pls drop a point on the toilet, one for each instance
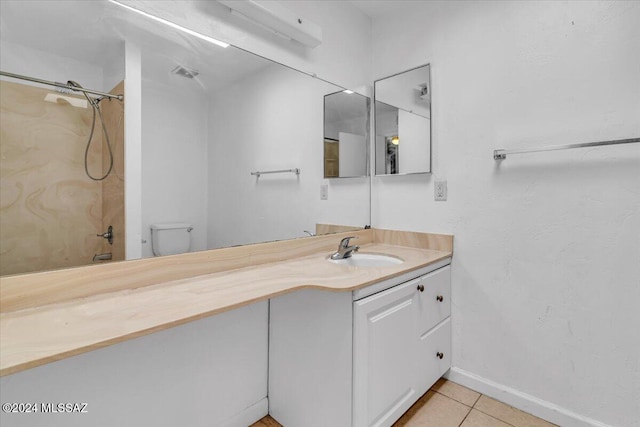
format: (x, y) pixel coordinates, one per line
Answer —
(170, 238)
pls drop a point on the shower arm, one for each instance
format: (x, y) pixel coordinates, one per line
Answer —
(61, 85)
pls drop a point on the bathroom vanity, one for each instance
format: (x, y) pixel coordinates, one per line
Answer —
(196, 336)
(360, 358)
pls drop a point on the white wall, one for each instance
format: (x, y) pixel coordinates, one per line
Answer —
(353, 161)
(133, 152)
(357, 126)
(200, 374)
(545, 271)
(272, 121)
(403, 90)
(174, 160)
(413, 149)
(19, 59)
(114, 70)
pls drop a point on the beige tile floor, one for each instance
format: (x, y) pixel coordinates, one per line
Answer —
(448, 404)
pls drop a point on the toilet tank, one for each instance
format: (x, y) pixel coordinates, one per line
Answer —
(170, 238)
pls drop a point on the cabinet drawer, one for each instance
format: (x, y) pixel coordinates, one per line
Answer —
(361, 293)
(434, 301)
(434, 355)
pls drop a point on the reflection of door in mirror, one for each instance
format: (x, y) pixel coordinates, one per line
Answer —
(331, 158)
(392, 158)
(51, 212)
(403, 123)
(387, 140)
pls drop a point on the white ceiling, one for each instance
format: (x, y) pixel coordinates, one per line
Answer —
(78, 30)
(377, 9)
(94, 32)
(341, 106)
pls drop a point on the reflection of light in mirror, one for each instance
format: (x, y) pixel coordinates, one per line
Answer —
(348, 92)
(395, 140)
(173, 25)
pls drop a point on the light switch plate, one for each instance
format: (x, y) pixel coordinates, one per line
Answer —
(440, 190)
(324, 191)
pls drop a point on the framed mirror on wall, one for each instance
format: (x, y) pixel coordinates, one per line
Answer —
(211, 116)
(403, 123)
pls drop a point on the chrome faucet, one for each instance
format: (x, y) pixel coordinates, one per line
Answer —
(344, 250)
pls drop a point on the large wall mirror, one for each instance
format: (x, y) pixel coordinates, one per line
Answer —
(211, 118)
(403, 123)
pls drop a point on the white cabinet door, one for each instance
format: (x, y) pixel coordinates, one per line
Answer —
(385, 345)
(402, 345)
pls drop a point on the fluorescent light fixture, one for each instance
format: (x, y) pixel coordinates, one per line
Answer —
(348, 92)
(277, 18)
(172, 25)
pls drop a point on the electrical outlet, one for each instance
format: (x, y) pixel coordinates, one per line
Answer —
(440, 191)
(324, 192)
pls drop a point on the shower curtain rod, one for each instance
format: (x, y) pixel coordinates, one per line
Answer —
(61, 85)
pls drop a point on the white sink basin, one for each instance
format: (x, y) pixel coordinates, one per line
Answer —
(368, 260)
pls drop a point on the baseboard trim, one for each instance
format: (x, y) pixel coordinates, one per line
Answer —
(249, 415)
(525, 402)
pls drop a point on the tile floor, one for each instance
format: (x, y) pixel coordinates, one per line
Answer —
(448, 404)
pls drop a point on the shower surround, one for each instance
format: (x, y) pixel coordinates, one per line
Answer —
(50, 211)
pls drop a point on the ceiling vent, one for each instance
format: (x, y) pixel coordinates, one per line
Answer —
(185, 72)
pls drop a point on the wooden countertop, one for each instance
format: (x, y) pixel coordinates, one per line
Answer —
(38, 335)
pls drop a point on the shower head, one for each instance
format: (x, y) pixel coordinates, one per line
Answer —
(61, 99)
(185, 72)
